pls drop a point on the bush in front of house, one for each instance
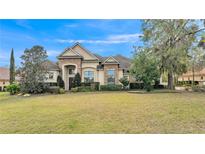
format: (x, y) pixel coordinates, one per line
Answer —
(61, 91)
(138, 85)
(82, 89)
(92, 85)
(74, 90)
(13, 88)
(53, 89)
(60, 82)
(85, 89)
(125, 82)
(111, 87)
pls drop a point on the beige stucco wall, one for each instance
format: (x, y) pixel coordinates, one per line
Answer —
(55, 75)
(83, 53)
(101, 77)
(190, 78)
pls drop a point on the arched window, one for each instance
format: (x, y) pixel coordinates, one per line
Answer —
(88, 76)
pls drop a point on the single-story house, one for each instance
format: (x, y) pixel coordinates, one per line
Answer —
(4, 78)
(91, 67)
(199, 76)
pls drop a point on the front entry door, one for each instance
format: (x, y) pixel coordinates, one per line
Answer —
(70, 83)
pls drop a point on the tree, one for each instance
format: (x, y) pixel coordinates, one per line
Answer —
(145, 68)
(60, 81)
(202, 42)
(124, 81)
(12, 67)
(170, 41)
(33, 72)
(77, 80)
(197, 58)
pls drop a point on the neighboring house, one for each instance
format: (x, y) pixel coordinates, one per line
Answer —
(4, 78)
(199, 76)
(91, 67)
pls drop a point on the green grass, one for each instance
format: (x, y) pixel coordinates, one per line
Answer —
(107, 112)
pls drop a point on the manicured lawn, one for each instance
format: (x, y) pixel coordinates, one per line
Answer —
(107, 112)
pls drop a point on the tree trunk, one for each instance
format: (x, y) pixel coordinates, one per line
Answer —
(193, 73)
(170, 81)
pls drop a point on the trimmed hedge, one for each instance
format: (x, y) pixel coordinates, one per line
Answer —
(186, 83)
(92, 85)
(141, 86)
(82, 89)
(136, 85)
(111, 87)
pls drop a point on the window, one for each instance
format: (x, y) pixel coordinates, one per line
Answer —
(202, 77)
(71, 71)
(88, 76)
(50, 75)
(111, 76)
(3, 82)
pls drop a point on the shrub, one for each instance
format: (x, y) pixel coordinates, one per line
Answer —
(60, 82)
(92, 85)
(61, 91)
(138, 85)
(111, 87)
(124, 81)
(54, 89)
(76, 81)
(74, 89)
(13, 88)
(85, 89)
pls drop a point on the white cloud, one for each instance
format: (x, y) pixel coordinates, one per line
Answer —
(112, 39)
(53, 52)
(23, 23)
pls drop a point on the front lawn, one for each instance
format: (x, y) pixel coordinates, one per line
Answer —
(103, 112)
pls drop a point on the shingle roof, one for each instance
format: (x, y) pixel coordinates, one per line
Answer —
(124, 61)
(4, 73)
(51, 66)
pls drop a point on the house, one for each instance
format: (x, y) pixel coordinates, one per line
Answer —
(199, 76)
(91, 67)
(4, 78)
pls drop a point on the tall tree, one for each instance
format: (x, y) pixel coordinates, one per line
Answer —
(145, 68)
(33, 73)
(12, 67)
(170, 41)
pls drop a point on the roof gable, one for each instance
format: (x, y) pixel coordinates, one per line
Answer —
(111, 60)
(87, 55)
(70, 53)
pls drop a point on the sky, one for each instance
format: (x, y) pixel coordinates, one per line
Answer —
(104, 37)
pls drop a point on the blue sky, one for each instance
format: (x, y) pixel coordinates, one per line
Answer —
(104, 37)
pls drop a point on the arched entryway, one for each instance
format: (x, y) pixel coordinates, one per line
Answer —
(69, 71)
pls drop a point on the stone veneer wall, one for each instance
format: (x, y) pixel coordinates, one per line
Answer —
(111, 66)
